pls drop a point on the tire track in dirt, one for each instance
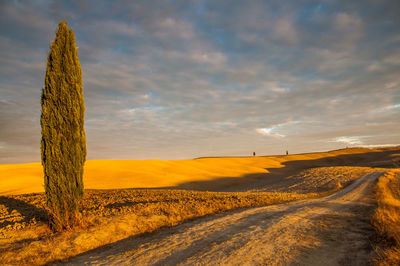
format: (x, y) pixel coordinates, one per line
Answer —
(334, 230)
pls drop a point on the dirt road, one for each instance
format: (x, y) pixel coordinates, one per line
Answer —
(334, 230)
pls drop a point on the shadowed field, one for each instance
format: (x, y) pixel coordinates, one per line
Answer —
(114, 208)
(332, 230)
(212, 174)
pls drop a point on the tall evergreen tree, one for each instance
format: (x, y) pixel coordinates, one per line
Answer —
(63, 145)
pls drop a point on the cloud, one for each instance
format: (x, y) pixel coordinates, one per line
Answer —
(269, 132)
(171, 27)
(391, 107)
(285, 29)
(345, 22)
(349, 140)
(374, 67)
(394, 106)
(173, 80)
(213, 58)
(274, 131)
(380, 145)
(393, 58)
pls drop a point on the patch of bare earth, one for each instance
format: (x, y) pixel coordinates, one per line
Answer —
(113, 215)
(334, 230)
(321, 179)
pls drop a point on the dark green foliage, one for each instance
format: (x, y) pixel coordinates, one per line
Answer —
(63, 145)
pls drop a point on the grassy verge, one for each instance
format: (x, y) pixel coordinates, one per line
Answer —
(386, 219)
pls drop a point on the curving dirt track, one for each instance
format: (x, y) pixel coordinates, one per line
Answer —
(334, 230)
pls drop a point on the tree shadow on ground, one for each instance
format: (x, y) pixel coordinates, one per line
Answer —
(25, 212)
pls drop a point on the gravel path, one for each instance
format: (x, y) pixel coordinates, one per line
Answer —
(334, 230)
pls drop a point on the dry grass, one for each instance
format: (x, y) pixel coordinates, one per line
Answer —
(386, 219)
(111, 216)
(117, 213)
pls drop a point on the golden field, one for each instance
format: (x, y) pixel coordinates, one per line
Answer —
(114, 208)
(112, 215)
(116, 174)
(386, 218)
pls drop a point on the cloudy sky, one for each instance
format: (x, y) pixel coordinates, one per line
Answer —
(184, 79)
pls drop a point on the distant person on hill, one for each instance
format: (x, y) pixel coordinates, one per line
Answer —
(287, 153)
(254, 153)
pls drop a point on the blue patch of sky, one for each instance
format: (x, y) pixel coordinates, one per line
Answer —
(218, 78)
(309, 10)
(154, 97)
(201, 8)
(146, 72)
(114, 94)
(393, 108)
(149, 108)
(219, 37)
(285, 86)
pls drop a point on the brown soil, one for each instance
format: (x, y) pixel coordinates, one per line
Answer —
(334, 230)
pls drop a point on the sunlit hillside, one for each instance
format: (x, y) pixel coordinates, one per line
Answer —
(216, 173)
(114, 214)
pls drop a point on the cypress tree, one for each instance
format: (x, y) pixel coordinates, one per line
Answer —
(63, 145)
